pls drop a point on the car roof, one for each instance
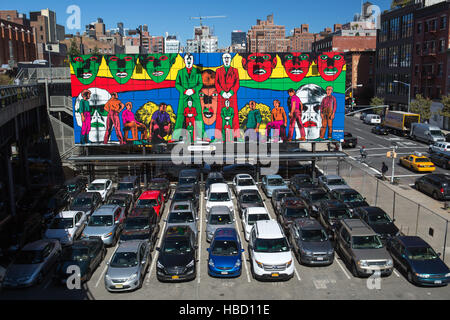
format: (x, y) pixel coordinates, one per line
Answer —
(178, 231)
(120, 195)
(86, 194)
(372, 210)
(357, 227)
(294, 202)
(215, 187)
(283, 190)
(129, 179)
(66, 214)
(215, 175)
(141, 212)
(225, 234)
(308, 224)
(273, 176)
(189, 173)
(100, 181)
(129, 246)
(185, 188)
(87, 242)
(440, 176)
(333, 176)
(257, 210)
(334, 204)
(268, 229)
(219, 210)
(245, 191)
(152, 194)
(159, 180)
(413, 241)
(106, 209)
(37, 245)
(345, 191)
(243, 176)
(315, 190)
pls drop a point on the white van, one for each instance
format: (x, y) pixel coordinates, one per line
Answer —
(426, 133)
(372, 119)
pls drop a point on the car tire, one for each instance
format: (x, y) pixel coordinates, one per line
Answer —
(417, 186)
(411, 277)
(355, 272)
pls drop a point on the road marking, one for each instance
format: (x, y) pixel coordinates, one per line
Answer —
(411, 175)
(345, 272)
(396, 273)
(47, 284)
(161, 234)
(101, 276)
(296, 273)
(244, 259)
(200, 236)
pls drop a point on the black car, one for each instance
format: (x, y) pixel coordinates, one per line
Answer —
(277, 196)
(379, 221)
(55, 204)
(380, 130)
(441, 159)
(177, 255)
(130, 185)
(87, 202)
(313, 197)
(87, 254)
(141, 227)
(187, 192)
(229, 172)
(188, 177)
(349, 141)
(350, 197)
(249, 199)
(299, 182)
(292, 208)
(436, 185)
(124, 200)
(76, 185)
(213, 177)
(160, 184)
(331, 212)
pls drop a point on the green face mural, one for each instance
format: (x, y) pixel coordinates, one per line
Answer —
(158, 65)
(86, 67)
(121, 66)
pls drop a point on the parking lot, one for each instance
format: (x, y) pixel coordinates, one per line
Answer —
(333, 282)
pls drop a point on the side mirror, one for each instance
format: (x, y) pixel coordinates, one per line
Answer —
(158, 249)
(439, 254)
(143, 262)
(78, 225)
(242, 250)
(208, 249)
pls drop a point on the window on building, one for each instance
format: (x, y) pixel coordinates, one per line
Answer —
(433, 25)
(419, 28)
(442, 45)
(418, 48)
(416, 69)
(440, 69)
(443, 22)
(426, 26)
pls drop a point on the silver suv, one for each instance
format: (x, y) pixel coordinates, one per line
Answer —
(361, 248)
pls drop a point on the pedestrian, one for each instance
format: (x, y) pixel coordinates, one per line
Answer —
(384, 170)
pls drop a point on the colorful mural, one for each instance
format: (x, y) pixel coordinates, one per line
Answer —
(152, 98)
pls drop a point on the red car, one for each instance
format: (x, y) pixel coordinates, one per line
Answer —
(152, 198)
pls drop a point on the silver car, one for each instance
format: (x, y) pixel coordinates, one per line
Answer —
(182, 218)
(128, 266)
(271, 183)
(332, 182)
(32, 263)
(106, 223)
(218, 217)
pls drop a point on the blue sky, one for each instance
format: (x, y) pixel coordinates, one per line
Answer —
(173, 16)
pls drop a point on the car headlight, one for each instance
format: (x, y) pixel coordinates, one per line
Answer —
(208, 209)
(190, 264)
(288, 264)
(211, 263)
(259, 264)
(447, 275)
(133, 277)
(363, 263)
(107, 277)
(159, 265)
(422, 275)
(390, 263)
(237, 264)
(107, 235)
(231, 208)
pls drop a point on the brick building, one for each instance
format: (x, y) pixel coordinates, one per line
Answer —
(17, 42)
(301, 39)
(265, 36)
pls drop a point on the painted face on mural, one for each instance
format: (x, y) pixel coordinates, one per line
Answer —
(311, 96)
(259, 66)
(121, 67)
(296, 65)
(209, 97)
(330, 65)
(226, 58)
(86, 67)
(158, 65)
(189, 60)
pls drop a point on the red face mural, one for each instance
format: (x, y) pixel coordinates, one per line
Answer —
(296, 65)
(259, 66)
(330, 65)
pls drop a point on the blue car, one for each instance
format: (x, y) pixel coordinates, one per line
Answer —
(419, 261)
(225, 254)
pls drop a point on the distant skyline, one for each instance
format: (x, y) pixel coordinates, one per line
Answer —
(174, 16)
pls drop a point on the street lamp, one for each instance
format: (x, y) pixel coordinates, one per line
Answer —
(409, 92)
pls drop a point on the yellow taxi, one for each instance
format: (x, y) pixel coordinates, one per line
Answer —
(417, 162)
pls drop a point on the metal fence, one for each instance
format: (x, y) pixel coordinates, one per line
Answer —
(13, 94)
(411, 217)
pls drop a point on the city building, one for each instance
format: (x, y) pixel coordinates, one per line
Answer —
(265, 36)
(204, 41)
(238, 37)
(88, 45)
(171, 44)
(17, 43)
(15, 17)
(301, 39)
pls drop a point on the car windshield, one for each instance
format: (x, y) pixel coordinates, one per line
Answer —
(96, 187)
(422, 160)
(245, 182)
(422, 253)
(146, 203)
(127, 186)
(180, 217)
(124, 260)
(101, 221)
(117, 202)
(281, 195)
(178, 246)
(314, 236)
(275, 182)
(250, 198)
(29, 257)
(379, 218)
(338, 213)
(82, 202)
(271, 245)
(219, 197)
(180, 207)
(351, 197)
(187, 180)
(320, 196)
(219, 219)
(183, 196)
(367, 242)
(303, 180)
(436, 132)
(61, 223)
(136, 224)
(252, 218)
(224, 248)
(157, 186)
(296, 213)
(76, 254)
(214, 180)
(71, 188)
(336, 182)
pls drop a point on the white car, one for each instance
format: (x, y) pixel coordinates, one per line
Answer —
(440, 147)
(66, 227)
(243, 182)
(102, 186)
(270, 253)
(250, 216)
(219, 194)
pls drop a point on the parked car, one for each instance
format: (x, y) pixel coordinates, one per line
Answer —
(225, 254)
(219, 194)
(213, 177)
(177, 255)
(183, 206)
(380, 130)
(128, 266)
(350, 141)
(87, 202)
(87, 254)
(372, 119)
(243, 182)
(142, 227)
(187, 192)
(417, 162)
(277, 196)
(312, 198)
(271, 183)
(103, 186)
(160, 184)
(182, 218)
(332, 182)
(189, 176)
(66, 227)
(130, 185)
(75, 185)
(435, 185)
(350, 197)
(229, 172)
(361, 248)
(310, 242)
(218, 217)
(57, 203)
(379, 221)
(330, 213)
(32, 263)
(426, 133)
(250, 216)
(107, 223)
(415, 257)
(152, 199)
(292, 208)
(269, 252)
(248, 199)
(299, 182)
(124, 200)
(441, 159)
(439, 147)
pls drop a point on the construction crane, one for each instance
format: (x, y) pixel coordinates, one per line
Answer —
(201, 18)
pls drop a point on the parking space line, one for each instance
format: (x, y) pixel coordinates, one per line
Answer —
(396, 273)
(296, 273)
(101, 276)
(200, 237)
(243, 253)
(340, 265)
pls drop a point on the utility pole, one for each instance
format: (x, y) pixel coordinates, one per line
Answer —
(394, 156)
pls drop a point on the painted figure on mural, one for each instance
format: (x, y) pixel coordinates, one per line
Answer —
(328, 113)
(121, 66)
(227, 116)
(130, 124)
(209, 97)
(188, 83)
(114, 107)
(86, 67)
(189, 115)
(296, 65)
(259, 66)
(330, 65)
(85, 111)
(278, 121)
(158, 65)
(295, 115)
(227, 85)
(254, 120)
(160, 126)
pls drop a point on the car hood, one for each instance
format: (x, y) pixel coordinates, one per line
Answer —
(172, 260)
(225, 261)
(191, 225)
(385, 229)
(252, 205)
(239, 189)
(122, 273)
(135, 235)
(97, 231)
(357, 204)
(316, 246)
(372, 254)
(227, 204)
(435, 266)
(338, 187)
(58, 233)
(213, 227)
(273, 258)
(17, 271)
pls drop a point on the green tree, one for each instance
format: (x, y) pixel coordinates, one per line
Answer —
(73, 50)
(445, 111)
(375, 102)
(96, 50)
(422, 106)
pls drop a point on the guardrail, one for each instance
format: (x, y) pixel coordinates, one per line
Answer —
(13, 94)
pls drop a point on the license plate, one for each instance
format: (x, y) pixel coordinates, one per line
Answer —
(438, 282)
(119, 286)
(175, 277)
(320, 258)
(224, 272)
(275, 275)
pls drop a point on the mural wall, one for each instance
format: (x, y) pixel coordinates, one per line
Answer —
(145, 99)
